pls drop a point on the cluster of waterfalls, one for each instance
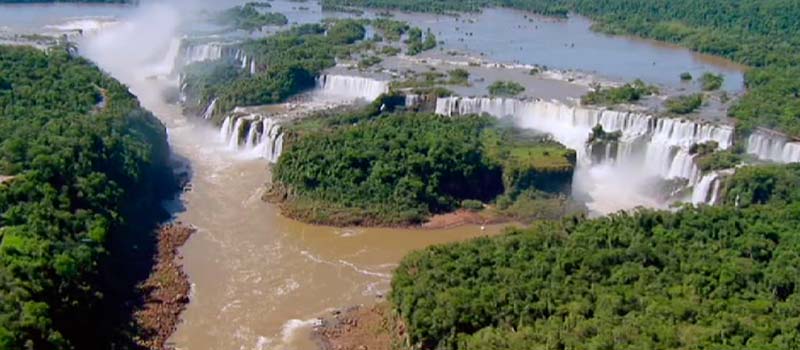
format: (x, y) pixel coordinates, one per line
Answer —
(647, 147)
(253, 134)
(774, 147)
(258, 135)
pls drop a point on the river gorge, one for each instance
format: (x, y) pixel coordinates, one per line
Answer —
(260, 280)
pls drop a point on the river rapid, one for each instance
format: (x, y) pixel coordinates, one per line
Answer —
(260, 280)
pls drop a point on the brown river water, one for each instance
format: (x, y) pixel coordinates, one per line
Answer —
(259, 279)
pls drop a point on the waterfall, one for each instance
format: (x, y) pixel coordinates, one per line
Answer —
(166, 66)
(351, 87)
(412, 100)
(773, 147)
(253, 135)
(662, 143)
(253, 67)
(707, 190)
(202, 53)
(683, 167)
(648, 146)
(209, 112)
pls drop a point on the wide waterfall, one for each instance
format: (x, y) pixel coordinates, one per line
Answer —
(351, 87)
(209, 112)
(773, 147)
(648, 147)
(216, 51)
(202, 52)
(253, 135)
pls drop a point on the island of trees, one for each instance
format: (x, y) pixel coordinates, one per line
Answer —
(381, 167)
(80, 163)
(249, 18)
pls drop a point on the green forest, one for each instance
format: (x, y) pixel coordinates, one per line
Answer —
(247, 17)
(372, 168)
(78, 157)
(288, 63)
(709, 278)
(761, 33)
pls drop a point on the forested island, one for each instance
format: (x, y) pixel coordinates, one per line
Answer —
(83, 169)
(247, 17)
(375, 167)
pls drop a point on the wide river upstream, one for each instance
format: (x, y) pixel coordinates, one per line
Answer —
(260, 280)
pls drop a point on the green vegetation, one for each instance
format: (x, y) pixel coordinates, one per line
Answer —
(602, 144)
(708, 157)
(685, 76)
(459, 76)
(772, 100)
(290, 60)
(433, 79)
(599, 135)
(248, 18)
(710, 278)
(287, 63)
(346, 32)
(369, 61)
(393, 30)
(684, 104)
(711, 82)
(83, 159)
(505, 88)
(368, 168)
(759, 33)
(719, 160)
(390, 51)
(768, 184)
(627, 93)
(415, 42)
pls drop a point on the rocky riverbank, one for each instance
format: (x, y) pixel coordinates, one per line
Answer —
(166, 291)
(361, 328)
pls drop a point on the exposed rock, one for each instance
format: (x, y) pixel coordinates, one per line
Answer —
(166, 291)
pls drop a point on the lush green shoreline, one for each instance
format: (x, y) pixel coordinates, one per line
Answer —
(710, 278)
(87, 163)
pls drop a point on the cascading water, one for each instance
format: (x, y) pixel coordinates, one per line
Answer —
(209, 112)
(253, 135)
(647, 147)
(773, 147)
(351, 87)
(202, 53)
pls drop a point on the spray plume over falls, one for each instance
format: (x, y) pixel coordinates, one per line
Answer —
(648, 147)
